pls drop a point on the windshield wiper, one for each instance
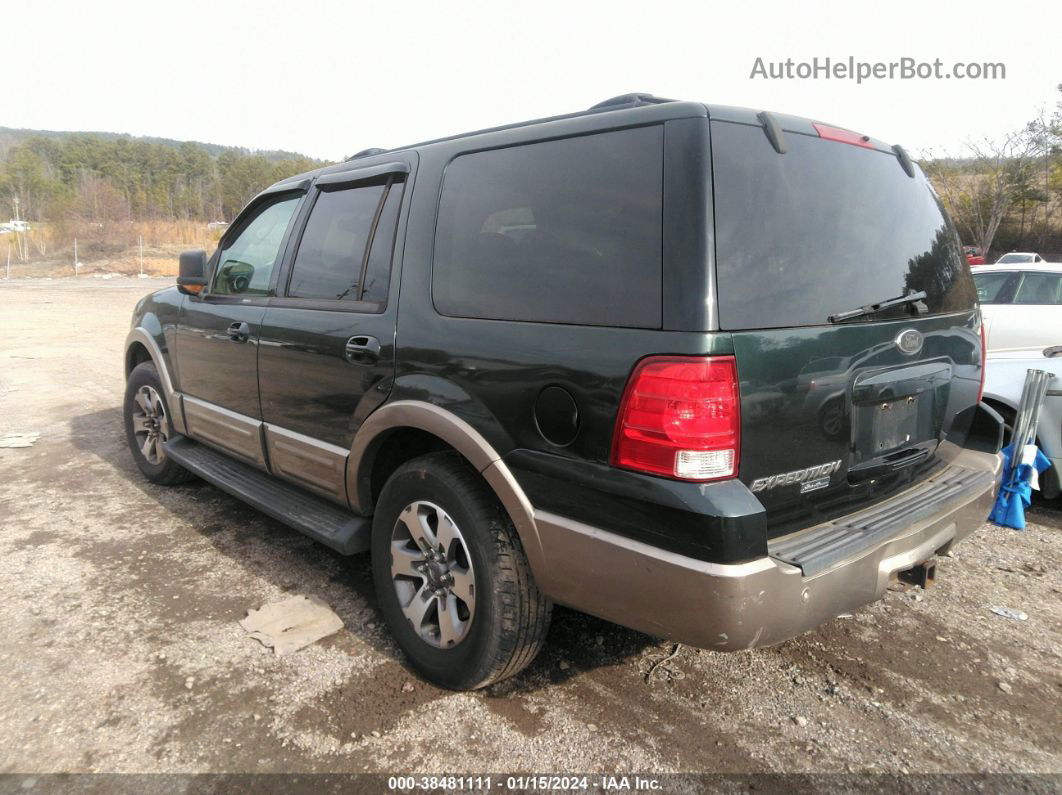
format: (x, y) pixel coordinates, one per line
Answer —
(870, 309)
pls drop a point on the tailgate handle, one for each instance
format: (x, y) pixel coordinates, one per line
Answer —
(905, 458)
(889, 463)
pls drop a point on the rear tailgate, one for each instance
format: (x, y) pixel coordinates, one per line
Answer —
(838, 416)
(834, 419)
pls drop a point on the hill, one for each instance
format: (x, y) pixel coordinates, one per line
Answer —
(11, 137)
(94, 177)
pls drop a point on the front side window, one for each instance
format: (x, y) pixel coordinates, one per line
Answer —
(245, 265)
(566, 231)
(1039, 288)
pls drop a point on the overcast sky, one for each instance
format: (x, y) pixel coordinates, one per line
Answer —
(330, 78)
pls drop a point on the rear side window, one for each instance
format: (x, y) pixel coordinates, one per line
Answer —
(566, 231)
(1039, 288)
(825, 228)
(378, 268)
(332, 250)
(991, 287)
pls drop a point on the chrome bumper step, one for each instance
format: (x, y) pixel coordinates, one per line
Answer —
(818, 548)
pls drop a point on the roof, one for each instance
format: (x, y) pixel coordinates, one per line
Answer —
(637, 105)
(646, 106)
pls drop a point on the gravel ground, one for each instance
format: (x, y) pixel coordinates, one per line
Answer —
(121, 652)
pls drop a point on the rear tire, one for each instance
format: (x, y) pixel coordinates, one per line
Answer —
(147, 426)
(451, 577)
(1050, 482)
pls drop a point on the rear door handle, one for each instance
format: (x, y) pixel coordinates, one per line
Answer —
(239, 332)
(362, 350)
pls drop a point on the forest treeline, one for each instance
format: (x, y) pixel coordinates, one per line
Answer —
(1004, 194)
(90, 178)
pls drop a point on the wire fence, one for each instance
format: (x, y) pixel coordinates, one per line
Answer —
(128, 249)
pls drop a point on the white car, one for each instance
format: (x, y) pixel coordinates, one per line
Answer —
(1020, 258)
(1021, 305)
(1004, 379)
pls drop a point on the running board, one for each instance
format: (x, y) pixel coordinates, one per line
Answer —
(311, 515)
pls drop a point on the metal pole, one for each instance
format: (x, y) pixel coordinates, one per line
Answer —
(141, 255)
(75, 256)
(1021, 416)
(1028, 416)
(1039, 393)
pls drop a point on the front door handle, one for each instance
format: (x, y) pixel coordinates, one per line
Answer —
(362, 350)
(239, 332)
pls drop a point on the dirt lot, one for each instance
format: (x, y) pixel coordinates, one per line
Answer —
(121, 651)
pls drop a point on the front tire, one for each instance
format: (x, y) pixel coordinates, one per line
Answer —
(451, 577)
(147, 427)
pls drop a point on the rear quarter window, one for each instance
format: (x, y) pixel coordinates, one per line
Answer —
(565, 231)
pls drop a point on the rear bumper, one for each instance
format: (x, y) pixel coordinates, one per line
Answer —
(747, 605)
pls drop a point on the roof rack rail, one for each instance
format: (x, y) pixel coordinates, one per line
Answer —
(629, 101)
(375, 150)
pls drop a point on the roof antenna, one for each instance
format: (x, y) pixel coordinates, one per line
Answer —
(773, 130)
(366, 153)
(635, 100)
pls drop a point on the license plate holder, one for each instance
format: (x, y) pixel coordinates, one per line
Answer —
(895, 424)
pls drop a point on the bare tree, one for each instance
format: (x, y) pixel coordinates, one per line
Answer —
(980, 188)
(1048, 133)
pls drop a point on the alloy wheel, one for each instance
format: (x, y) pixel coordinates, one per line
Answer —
(432, 574)
(151, 426)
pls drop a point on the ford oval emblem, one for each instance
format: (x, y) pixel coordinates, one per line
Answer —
(909, 341)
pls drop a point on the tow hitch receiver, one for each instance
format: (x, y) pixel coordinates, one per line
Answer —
(924, 574)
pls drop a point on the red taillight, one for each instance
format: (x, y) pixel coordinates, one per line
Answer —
(984, 362)
(828, 133)
(680, 416)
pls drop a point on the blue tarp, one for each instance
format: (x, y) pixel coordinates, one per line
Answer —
(1009, 510)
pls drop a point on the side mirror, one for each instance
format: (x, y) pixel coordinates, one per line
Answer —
(191, 278)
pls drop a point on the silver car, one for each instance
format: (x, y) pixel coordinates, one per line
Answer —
(1021, 305)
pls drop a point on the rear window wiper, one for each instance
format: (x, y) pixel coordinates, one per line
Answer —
(870, 309)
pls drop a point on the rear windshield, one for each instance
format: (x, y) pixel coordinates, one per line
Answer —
(825, 228)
